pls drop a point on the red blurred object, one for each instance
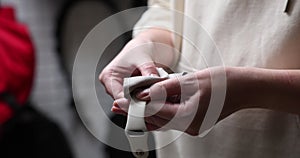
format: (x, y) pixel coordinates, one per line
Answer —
(17, 61)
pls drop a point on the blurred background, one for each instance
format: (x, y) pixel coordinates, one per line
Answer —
(56, 29)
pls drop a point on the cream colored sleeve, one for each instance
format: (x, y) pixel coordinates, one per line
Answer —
(157, 15)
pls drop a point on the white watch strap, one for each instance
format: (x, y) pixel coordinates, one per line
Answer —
(135, 129)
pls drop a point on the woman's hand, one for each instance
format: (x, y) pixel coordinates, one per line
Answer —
(188, 98)
(139, 57)
(181, 103)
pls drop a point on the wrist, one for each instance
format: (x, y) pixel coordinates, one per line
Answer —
(242, 88)
(159, 41)
(251, 87)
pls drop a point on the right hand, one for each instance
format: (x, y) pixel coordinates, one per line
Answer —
(139, 57)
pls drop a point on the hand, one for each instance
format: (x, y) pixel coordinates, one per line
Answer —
(246, 87)
(181, 103)
(139, 57)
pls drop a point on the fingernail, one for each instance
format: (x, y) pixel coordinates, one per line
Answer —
(145, 98)
(143, 94)
(153, 75)
(121, 103)
(115, 103)
(118, 111)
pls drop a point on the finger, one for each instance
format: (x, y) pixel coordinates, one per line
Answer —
(166, 88)
(143, 95)
(151, 127)
(148, 69)
(113, 85)
(159, 123)
(122, 103)
(189, 126)
(174, 99)
(163, 110)
(118, 111)
(182, 86)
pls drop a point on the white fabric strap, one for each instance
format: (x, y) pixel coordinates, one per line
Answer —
(135, 129)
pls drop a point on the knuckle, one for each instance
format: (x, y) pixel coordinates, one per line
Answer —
(107, 90)
(101, 78)
(158, 92)
(162, 86)
(104, 76)
(148, 65)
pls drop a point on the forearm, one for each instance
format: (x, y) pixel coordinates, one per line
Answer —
(269, 89)
(156, 35)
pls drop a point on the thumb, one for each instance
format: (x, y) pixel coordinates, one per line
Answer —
(148, 69)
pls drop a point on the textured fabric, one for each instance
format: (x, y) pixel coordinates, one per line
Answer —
(158, 15)
(16, 60)
(256, 33)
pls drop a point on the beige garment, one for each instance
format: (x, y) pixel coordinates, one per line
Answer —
(255, 33)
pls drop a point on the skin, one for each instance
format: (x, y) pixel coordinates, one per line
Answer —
(247, 87)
